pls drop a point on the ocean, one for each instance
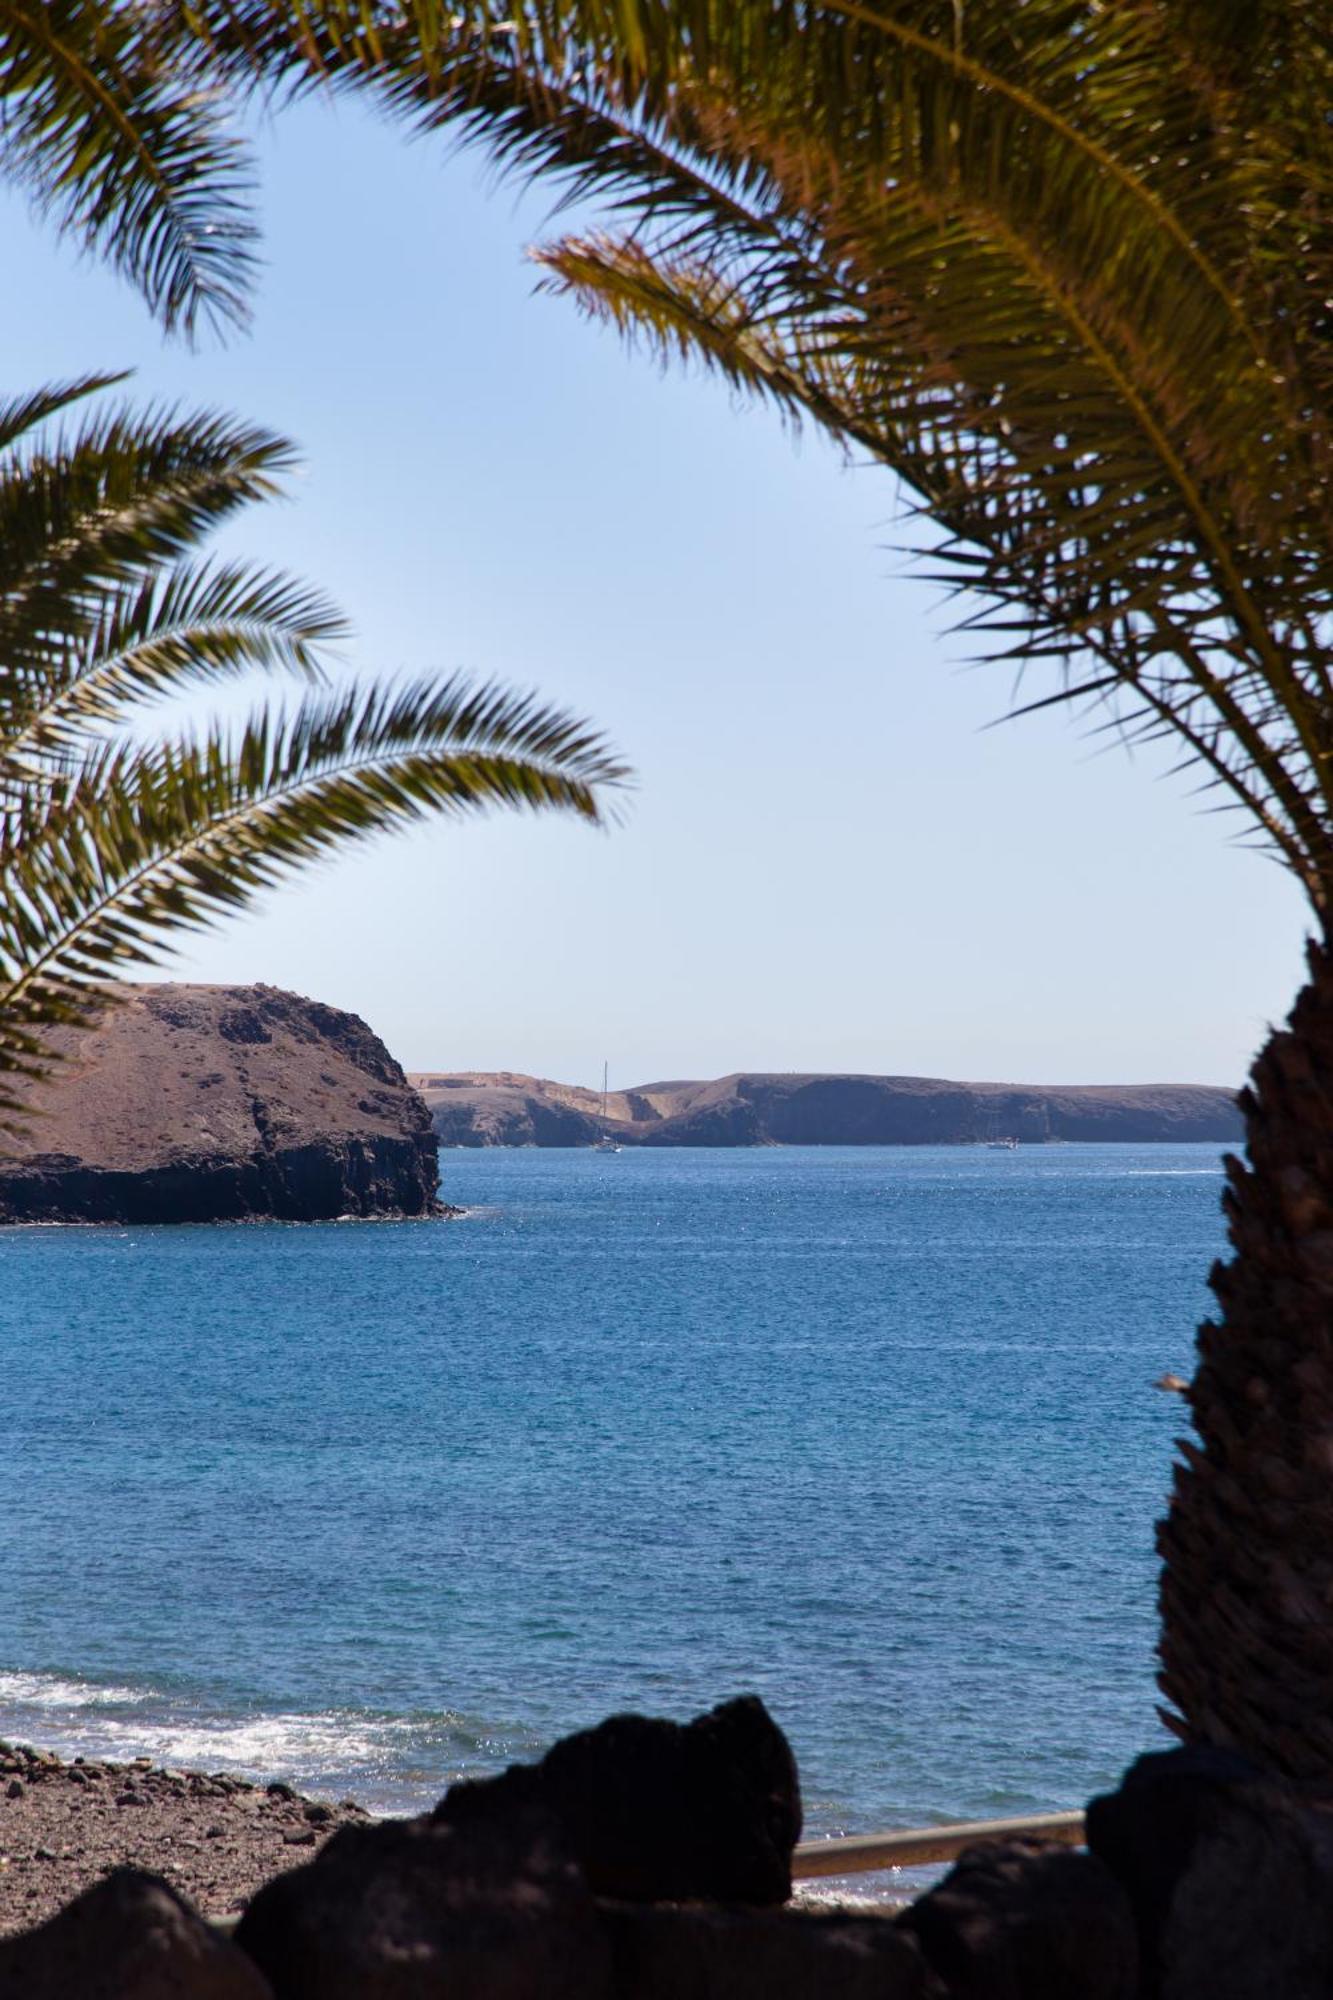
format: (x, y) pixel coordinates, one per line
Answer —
(372, 1506)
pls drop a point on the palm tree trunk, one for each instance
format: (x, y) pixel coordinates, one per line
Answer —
(1247, 1545)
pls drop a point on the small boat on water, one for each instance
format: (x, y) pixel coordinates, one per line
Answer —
(606, 1144)
(992, 1137)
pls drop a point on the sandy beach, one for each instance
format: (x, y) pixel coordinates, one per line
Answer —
(215, 1837)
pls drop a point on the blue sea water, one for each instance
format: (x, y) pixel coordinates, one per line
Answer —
(370, 1506)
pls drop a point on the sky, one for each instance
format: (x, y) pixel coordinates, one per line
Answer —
(830, 859)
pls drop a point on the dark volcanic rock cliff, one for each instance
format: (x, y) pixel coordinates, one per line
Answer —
(221, 1103)
(504, 1109)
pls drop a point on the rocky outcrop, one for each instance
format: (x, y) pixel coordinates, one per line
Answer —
(411, 1910)
(658, 1811)
(1021, 1920)
(1229, 1869)
(131, 1937)
(507, 1114)
(220, 1103)
(507, 1109)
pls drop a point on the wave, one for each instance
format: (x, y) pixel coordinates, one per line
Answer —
(891, 1888)
(394, 1763)
(389, 1763)
(57, 1691)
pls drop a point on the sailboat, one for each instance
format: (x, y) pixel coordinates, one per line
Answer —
(606, 1144)
(991, 1135)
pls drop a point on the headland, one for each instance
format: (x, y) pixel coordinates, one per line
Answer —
(193, 1103)
(750, 1108)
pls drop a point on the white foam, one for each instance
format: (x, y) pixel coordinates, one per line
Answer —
(393, 1761)
(850, 1893)
(266, 1744)
(55, 1691)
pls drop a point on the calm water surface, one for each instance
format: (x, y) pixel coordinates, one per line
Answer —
(870, 1431)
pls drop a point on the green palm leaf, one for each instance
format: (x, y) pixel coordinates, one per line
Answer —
(112, 841)
(127, 154)
(1012, 255)
(1054, 268)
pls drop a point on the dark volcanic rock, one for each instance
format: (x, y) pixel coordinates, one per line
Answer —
(1230, 1873)
(711, 1954)
(218, 1103)
(418, 1910)
(129, 1938)
(1015, 1920)
(506, 1109)
(657, 1811)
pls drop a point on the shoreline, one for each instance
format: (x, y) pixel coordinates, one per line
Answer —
(214, 1836)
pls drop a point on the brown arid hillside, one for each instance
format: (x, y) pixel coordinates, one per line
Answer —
(213, 1103)
(504, 1108)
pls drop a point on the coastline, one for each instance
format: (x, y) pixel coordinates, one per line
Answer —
(214, 1836)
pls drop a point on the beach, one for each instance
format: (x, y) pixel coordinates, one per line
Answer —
(214, 1837)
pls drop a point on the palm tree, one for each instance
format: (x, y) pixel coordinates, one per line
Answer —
(117, 830)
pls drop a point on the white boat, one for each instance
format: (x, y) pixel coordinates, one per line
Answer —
(606, 1144)
(992, 1137)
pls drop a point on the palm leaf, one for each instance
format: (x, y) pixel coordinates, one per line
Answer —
(113, 840)
(127, 155)
(104, 512)
(1040, 263)
(102, 867)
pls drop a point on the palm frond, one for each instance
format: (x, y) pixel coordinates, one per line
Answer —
(104, 512)
(127, 155)
(113, 840)
(1054, 266)
(194, 626)
(21, 414)
(102, 867)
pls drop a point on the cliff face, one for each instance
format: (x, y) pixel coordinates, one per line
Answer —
(221, 1103)
(504, 1109)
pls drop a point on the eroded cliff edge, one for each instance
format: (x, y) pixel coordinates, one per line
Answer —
(216, 1104)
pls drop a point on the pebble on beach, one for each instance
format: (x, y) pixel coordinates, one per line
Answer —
(215, 1837)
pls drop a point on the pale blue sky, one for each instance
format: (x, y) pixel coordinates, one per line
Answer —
(829, 862)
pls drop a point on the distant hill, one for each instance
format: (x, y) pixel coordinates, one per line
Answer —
(503, 1108)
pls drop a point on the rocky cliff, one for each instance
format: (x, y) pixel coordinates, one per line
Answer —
(507, 1109)
(221, 1103)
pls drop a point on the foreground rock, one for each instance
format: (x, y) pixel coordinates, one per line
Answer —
(221, 1103)
(215, 1838)
(130, 1938)
(1016, 1920)
(657, 1811)
(505, 1109)
(701, 1953)
(1230, 1872)
(415, 1908)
